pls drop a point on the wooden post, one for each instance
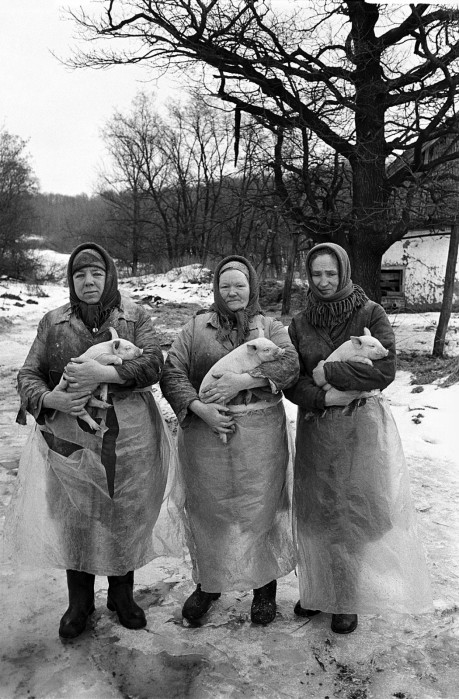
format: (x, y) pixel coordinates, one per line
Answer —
(445, 313)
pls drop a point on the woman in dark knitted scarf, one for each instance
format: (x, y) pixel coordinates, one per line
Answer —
(358, 551)
(237, 508)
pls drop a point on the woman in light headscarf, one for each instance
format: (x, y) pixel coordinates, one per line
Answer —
(237, 507)
(358, 551)
(88, 502)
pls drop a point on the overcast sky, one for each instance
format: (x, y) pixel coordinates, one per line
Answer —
(60, 112)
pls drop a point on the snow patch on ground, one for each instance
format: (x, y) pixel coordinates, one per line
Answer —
(410, 657)
(188, 284)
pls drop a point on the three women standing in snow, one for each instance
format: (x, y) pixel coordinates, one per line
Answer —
(94, 501)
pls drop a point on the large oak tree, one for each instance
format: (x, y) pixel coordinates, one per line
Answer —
(370, 83)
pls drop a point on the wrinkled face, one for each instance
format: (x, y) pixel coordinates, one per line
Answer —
(234, 289)
(89, 284)
(325, 274)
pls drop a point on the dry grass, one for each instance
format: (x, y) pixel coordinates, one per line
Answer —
(426, 369)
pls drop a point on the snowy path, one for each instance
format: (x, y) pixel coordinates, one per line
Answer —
(390, 656)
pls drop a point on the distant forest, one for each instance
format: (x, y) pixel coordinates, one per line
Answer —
(199, 228)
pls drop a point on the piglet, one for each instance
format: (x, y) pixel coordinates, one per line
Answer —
(243, 359)
(364, 349)
(114, 351)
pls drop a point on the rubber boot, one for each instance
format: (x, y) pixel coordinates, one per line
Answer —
(264, 606)
(344, 623)
(120, 600)
(198, 603)
(81, 603)
(300, 611)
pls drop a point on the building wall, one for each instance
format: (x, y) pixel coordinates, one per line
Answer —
(424, 264)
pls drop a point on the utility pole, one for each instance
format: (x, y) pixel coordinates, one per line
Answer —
(447, 303)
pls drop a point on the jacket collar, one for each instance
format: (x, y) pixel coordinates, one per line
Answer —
(127, 311)
(213, 321)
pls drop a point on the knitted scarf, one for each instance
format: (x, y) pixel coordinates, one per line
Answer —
(95, 314)
(229, 320)
(327, 312)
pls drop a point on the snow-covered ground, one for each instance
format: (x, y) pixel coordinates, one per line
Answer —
(405, 657)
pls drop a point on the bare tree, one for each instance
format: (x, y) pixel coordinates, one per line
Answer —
(17, 184)
(370, 82)
(198, 146)
(133, 142)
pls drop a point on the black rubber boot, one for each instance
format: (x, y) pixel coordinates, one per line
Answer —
(344, 623)
(301, 611)
(120, 600)
(198, 603)
(264, 606)
(81, 603)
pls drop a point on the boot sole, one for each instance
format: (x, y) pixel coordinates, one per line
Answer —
(70, 637)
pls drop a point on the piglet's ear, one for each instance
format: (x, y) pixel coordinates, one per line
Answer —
(356, 341)
(251, 347)
(366, 331)
(116, 344)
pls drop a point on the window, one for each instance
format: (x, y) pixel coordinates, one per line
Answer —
(392, 288)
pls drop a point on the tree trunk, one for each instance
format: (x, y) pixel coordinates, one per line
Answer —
(135, 234)
(366, 270)
(287, 293)
(447, 303)
(365, 255)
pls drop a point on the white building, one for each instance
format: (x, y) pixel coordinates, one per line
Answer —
(413, 272)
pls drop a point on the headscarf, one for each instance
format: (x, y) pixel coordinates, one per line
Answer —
(229, 320)
(332, 310)
(93, 315)
(88, 258)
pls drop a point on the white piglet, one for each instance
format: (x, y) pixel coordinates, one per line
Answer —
(114, 351)
(364, 349)
(243, 359)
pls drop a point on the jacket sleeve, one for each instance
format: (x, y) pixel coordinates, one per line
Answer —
(354, 376)
(33, 376)
(146, 369)
(304, 392)
(282, 372)
(175, 383)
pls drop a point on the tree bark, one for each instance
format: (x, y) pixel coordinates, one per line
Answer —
(447, 303)
(366, 268)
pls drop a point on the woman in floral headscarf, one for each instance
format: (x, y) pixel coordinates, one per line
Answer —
(357, 546)
(88, 502)
(237, 508)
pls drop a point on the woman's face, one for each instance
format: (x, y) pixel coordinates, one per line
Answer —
(234, 289)
(325, 274)
(89, 284)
